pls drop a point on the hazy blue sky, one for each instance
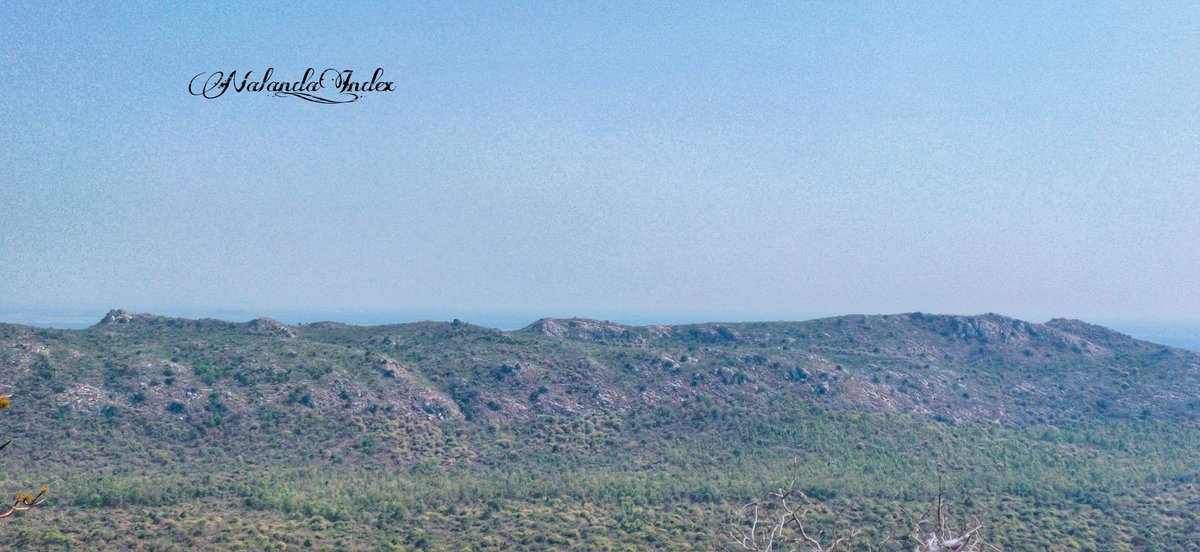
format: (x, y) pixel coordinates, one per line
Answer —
(637, 162)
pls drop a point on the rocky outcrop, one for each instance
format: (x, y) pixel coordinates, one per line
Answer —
(586, 329)
(269, 327)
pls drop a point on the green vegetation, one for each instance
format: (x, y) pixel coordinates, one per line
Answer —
(22, 502)
(172, 434)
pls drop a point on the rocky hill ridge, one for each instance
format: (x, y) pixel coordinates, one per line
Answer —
(210, 375)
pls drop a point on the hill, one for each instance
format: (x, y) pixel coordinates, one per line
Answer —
(159, 432)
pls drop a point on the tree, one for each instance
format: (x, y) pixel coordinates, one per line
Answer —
(936, 535)
(788, 529)
(23, 501)
(784, 529)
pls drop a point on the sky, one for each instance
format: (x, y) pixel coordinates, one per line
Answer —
(641, 162)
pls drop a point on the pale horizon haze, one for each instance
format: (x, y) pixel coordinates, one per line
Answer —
(641, 162)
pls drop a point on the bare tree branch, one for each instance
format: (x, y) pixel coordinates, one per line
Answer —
(931, 531)
(26, 502)
(23, 501)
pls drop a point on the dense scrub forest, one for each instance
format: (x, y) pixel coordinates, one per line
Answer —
(168, 434)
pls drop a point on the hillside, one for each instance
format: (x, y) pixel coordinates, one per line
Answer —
(435, 435)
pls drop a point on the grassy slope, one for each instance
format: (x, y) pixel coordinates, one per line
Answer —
(164, 433)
